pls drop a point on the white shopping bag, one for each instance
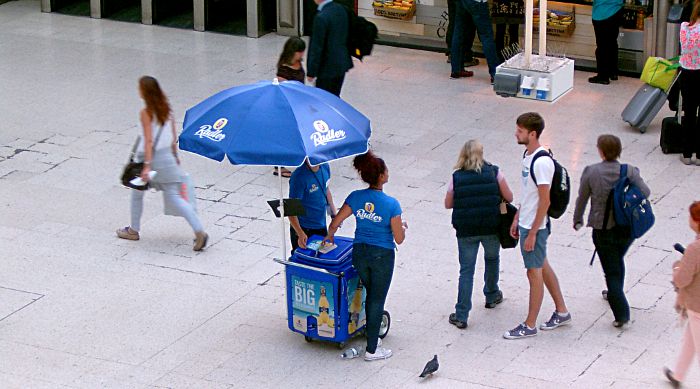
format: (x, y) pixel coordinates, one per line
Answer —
(187, 193)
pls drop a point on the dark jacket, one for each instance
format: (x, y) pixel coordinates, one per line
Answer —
(475, 210)
(328, 50)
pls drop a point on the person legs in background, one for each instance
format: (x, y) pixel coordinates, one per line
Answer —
(690, 90)
(690, 349)
(482, 20)
(611, 246)
(332, 85)
(606, 32)
(456, 48)
(375, 266)
(469, 31)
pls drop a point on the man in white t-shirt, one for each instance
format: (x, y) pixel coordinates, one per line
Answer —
(532, 216)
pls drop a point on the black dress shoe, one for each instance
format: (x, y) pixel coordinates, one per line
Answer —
(620, 323)
(599, 80)
(669, 375)
(494, 303)
(457, 323)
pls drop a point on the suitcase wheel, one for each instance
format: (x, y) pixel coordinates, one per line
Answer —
(308, 338)
(385, 324)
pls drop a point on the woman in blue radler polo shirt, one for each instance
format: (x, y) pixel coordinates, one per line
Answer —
(378, 226)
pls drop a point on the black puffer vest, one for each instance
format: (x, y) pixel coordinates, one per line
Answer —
(476, 199)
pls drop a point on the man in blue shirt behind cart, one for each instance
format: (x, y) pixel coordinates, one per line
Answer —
(310, 185)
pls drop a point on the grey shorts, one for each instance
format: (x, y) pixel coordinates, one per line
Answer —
(534, 259)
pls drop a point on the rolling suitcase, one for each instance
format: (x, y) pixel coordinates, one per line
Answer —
(671, 140)
(643, 107)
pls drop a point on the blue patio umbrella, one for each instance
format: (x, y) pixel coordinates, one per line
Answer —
(275, 123)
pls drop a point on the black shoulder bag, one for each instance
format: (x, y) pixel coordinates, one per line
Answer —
(133, 169)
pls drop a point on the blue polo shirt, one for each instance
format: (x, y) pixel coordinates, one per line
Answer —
(604, 9)
(373, 210)
(311, 189)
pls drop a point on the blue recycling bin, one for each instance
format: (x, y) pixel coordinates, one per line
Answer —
(325, 297)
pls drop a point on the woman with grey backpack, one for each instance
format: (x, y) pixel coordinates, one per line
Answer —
(157, 150)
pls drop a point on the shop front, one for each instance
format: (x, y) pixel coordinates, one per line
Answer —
(423, 24)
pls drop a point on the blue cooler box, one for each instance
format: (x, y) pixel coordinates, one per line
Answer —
(325, 298)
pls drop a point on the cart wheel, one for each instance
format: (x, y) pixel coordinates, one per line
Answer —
(308, 338)
(341, 345)
(385, 324)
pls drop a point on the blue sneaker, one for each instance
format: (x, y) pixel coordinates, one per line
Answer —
(521, 331)
(555, 321)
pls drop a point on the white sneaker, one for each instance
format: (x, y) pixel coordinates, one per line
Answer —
(379, 353)
(684, 160)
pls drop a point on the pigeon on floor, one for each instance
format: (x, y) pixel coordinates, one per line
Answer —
(430, 367)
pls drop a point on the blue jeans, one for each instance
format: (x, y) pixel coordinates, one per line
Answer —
(612, 245)
(482, 20)
(375, 266)
(468, 249)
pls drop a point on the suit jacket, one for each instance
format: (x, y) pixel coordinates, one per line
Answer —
(328, 50)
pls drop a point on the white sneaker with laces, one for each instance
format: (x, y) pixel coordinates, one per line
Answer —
(379, 353)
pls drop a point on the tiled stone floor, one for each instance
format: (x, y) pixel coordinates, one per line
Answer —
(80, 308)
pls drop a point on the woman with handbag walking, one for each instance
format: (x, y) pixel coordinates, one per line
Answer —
(686, 279)
(378, 226)
(690, 85)
(611, 241)
(157, 150)
(474, 194)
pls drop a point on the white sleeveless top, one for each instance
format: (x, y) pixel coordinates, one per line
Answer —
(166, 135)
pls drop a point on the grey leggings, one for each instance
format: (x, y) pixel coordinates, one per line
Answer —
(171, 195)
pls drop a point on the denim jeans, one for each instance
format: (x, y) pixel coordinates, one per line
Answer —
(482, 20)
(171, 195)
(375, 266)
(468, 249)
(612, 245)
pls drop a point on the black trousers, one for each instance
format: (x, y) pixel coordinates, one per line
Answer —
(332, 85)
(513, 32)
(612, 245)
(606, 32)
(308, 231)
(690, 90)
(469, 31)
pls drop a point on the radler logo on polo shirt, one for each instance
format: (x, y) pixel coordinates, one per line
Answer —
(368, 213)
(325, 134)
(214, 132)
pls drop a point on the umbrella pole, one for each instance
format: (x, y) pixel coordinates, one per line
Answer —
(282, 213)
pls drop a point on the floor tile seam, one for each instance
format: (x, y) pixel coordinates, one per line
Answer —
(86, 356)
(37, 379)
(197, 327)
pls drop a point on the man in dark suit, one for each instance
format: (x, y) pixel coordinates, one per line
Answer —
(328, 57)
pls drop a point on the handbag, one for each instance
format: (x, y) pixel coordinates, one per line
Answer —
(133, 169)
(660, 72)
(506, 216)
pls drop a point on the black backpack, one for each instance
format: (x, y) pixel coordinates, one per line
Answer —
(560, 190)
(361, 35)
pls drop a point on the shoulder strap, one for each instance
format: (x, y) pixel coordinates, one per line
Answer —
(133, 149)
(160, 130)
(623, 171)
(325, 198)
(532, 164)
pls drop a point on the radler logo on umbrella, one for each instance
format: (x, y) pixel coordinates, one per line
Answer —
(217, 134)
(325, 134)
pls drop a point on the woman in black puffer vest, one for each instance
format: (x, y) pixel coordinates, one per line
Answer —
(474, 194)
